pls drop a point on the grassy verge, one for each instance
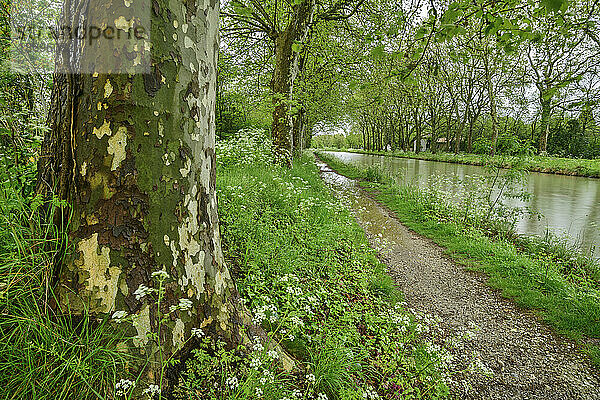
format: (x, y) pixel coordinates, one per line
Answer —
(566, 294)
(43, 354)
(551, 165)
(305, 270)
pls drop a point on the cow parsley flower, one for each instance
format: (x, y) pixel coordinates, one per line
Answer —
(160, 275)
(197, 332)
(142, 291)
(370, 394)
(118, 316)
(232, 383)
(258, 347)
(152, 390)
(123, 387)
(255, 363)
(311, 378)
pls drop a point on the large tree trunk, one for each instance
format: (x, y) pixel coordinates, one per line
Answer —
(133, 155)
(460, 126)
(418, 129)
(470, 138)
(298, 129)
(492, 100)
(544, 126)
(434, 133)
(284, 76)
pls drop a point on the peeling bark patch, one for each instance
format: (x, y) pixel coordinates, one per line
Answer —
(103, 130)
(108, 89)
(178, 334)
(102, 280)
(123, 24)
(141, 323)
(220, 284)
(116, 147)
(122, 222)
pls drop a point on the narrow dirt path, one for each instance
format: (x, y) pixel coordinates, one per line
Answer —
(523, 358)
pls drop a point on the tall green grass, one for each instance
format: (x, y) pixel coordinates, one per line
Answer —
(44, 353)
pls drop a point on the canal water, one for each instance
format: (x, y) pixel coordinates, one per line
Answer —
(565, 206)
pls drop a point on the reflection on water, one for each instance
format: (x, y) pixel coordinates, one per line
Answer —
(569, 206)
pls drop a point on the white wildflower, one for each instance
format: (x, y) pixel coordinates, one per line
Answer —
(259, 316)
(322, 396)
(269, 376)
(152, 390)
(197, 332)
(232, 382)
(259, 392)
(142, 291)
(118, 316)
(311, 378)
(255, 363)
(160, 275)
(370, 394)
(258, 347)
(273, 354)
(185, 304)
(123, 387)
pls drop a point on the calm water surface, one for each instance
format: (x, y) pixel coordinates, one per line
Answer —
(569, 206)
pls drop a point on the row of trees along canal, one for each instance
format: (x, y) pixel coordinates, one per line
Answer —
(305, 63)
(482, 92)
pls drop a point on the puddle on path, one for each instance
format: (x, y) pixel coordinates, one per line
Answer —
(372, 218)
(525, 359)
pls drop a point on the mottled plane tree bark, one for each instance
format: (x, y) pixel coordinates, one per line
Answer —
(134, 157)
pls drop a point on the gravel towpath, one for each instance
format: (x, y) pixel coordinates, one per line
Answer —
(523, 358)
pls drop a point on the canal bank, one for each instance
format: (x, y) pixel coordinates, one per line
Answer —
(560, 206)
(564, 291)
(521, 357)
(541, 164)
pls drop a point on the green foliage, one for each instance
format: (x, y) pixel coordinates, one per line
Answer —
(245, 148)
(305, 270)
(44, 353)
(536, 273)
(569, 139)
(373, 174)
